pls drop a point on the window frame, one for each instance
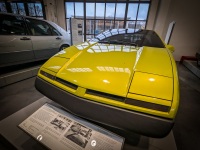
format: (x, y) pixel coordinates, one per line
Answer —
(125, 19)
(50, 26)
(26, 30)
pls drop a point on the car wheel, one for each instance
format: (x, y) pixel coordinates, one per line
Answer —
(63, 47)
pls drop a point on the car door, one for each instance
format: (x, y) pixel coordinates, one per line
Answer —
(45, 43)
(15, 44)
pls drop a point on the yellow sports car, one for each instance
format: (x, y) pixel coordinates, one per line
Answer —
(122, 78)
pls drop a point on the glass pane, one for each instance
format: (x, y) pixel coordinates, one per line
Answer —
(140, 25)
(69, 9)
(38, 9)
(55, 32)
(3, 7)
(89, 26)
(11, 25)
(99, 26)
(143, 10)
(100, 9)
(90, 10)
(132, 11)
(130, 24)
(31, 9)
(110, 10)
(119, 24)
(21, 9)
(14, 8)
(39, 28)
(120, 11)
(79, 10)
(109, 24)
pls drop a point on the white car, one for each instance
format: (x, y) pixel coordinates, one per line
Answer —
(26, 39)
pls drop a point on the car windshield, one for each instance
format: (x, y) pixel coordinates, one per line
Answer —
(129, 37)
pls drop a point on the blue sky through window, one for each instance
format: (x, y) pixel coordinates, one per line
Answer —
(100, 9)
(79, 9)
(143, 11)
(110, 10)
(132, 11)
(70, 9)
(120, 11)
(90, 9)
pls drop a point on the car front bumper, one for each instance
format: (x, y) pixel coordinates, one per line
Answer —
(105, 114)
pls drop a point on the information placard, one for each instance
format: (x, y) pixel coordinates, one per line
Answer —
(76, 30)
(58, 129)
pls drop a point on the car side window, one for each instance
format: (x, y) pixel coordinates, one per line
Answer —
(55, 32)
(12, 25)
(38, 27)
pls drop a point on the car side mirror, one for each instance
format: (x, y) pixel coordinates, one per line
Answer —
(170, 47)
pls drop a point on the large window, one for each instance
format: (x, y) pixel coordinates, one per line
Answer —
(26, 8)
(109, 14)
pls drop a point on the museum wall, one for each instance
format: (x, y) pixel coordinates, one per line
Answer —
(185, 37)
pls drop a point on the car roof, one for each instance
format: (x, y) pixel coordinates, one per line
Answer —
(25, 17)
(52, 23)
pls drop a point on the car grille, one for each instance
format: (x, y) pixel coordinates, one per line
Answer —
(147, 105)
(105, 95)
(68, 84)
(129, 101)
(47, 75)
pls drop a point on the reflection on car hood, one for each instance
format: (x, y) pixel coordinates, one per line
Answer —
(110, 68)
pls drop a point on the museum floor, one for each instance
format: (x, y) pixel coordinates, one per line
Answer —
(187, 124)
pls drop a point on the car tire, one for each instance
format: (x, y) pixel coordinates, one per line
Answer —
(63, 47)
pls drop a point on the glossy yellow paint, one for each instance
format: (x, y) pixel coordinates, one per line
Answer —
(97, 71)
(155, 61)
(176, 91)
(119, 70)
(152, 85)
(55, 63)
(170, 47)
(149, 99)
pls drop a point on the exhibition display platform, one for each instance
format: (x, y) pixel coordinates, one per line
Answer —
(17, 132)
(192, 66)
(16, 73)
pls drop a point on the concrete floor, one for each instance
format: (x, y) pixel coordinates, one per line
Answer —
(187, 124)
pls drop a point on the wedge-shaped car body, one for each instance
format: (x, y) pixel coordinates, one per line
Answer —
(124, 79)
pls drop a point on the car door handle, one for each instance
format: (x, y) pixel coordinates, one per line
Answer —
(25, 38)
(58, 38)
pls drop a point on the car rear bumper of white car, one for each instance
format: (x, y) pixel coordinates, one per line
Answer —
(104, 114)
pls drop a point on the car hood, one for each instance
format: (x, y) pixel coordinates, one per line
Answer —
(110, 68)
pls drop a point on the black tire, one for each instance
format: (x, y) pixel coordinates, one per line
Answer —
(63, 47)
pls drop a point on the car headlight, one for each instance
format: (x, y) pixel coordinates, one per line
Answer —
(151, 91)
(152, 85)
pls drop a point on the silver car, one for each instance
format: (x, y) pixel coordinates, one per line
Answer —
(26, 39)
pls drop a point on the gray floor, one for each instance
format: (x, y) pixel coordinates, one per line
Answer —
(187, 125)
